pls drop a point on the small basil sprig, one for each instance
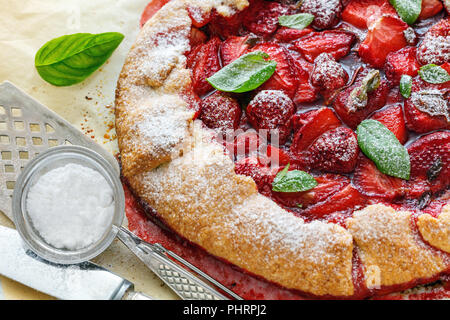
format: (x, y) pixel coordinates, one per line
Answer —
(70, 59)
(405, 86)
(296, 21)
(244, 74)
(293, 181)
(434, 74)
(380, 145)
(408, 10)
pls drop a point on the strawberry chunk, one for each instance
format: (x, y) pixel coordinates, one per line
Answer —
(284, 77)
(225, 27)
(327, 13)
(335, 151)
(371, 182)
(385, 35)
(427, 107)
(435, 46)
(309, 126)
(232, 48)
(336, 43)
(197, 37)
(203, 60)
(272, 110)
(401, 62)
(260, 173)
(198, 17)
(392, 118)
(352, 115)
(328, 75)
(361, 13)
(221, 112)
(285, 34)
(246, 143)
(306, 92)
(262, 17)
(430, 160)
(327, 185)
(273, 156)
(151, 9)
(430, 8)
(345, 200)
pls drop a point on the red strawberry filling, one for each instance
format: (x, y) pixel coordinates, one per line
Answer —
(285, 122)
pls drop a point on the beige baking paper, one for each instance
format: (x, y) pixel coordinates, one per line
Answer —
(25, 26)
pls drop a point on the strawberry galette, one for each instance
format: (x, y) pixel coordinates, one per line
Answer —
(305, 143)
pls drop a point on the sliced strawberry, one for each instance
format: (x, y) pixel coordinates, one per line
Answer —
(199, 17)
(246, 143)
(343, 104)
(336, 43)
(430, 8)
(284, 77)
(427, 107)
(221, 112)
(430, 160)
(306, 92)
(361, 13)
(225, 27)
(232, 48)
(273, 156)
(203, 60)
(347, 199)
(327, 185)
(392, 118)
(371, 182)
(309, 126)
(328, 75)
(446, 66)
(327, 13)
(262, 17)
(197, 37)
(272, 110)
(401, 62)
(285, 34)
(385, 35)
(435, 47)
(151, 9)
(335, 151)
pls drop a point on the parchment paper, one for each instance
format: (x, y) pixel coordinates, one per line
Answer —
(24, 27)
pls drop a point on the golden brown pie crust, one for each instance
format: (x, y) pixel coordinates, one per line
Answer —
(172, 163)
(436, 231)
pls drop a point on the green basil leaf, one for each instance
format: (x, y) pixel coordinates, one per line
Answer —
(434, 74)
(405, 86)
(244, 74)
(408, 10)
(70, 59)
(380, 145)
(296, 21)
(293, 181)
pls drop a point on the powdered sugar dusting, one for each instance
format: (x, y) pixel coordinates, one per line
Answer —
(431, 102)
(326, 12)
(389, 249)
(434, 49)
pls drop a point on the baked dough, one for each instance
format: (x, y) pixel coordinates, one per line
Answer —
(436, 231)
(173, 164)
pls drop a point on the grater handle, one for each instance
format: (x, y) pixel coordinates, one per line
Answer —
(182, 282)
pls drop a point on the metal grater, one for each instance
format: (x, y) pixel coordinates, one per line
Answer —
(28, 128)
